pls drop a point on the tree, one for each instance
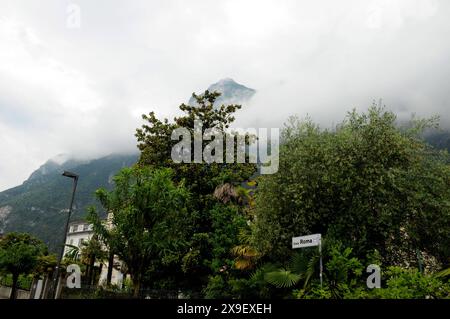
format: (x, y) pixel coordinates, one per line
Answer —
(368, 183)
(156, 144)
(87, 254)
(73, 254)
(19, 254)
(91, 251)
(203, 180)
(148, 219)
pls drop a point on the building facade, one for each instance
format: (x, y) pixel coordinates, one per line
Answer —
(80, 232)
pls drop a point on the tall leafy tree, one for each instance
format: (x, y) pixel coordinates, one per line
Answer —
(155, 143)
(202, 179)
(368, 183)
(20, 254)
(147, 220)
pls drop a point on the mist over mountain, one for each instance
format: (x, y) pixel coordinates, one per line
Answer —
(231, 92)
(39, 206)
(439, 139)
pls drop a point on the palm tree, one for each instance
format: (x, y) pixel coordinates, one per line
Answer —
(87, 254)
(73, 254)
(302, 267)
(246, 254)
(443, 273)
(92, 251)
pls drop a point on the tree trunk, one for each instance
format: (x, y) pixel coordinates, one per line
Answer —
(137, 288)
(15, 278)
(91, 269)
(110, 268)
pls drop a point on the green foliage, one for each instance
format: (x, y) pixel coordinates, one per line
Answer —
(218, 288)
(19, 255)
(91, 251)
(282, 278)
(411, 284)
(444, 273)
(226, 223)
(215, 208)
(343, 280)
(46, 264)
(230, 284)
(147, 220)
(24, 281)
(342, 271)
(368, 183)
(73, 254)
(38, 204)
(156, 145)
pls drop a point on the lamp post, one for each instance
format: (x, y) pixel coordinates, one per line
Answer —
(61, 255)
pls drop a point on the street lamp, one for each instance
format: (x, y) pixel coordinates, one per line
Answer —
(61, 255)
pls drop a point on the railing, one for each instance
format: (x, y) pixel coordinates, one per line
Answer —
(98, 292)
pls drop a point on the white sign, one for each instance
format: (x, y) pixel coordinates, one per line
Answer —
(374, 279)
(306, 241)
(74, 279)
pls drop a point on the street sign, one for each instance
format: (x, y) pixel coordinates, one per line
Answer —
(309, 241)
(306, 241)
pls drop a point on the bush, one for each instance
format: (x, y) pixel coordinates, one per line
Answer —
(411, 284)
(24, 282)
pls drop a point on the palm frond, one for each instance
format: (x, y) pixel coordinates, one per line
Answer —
(299, 263)
(225, 193)
(244, 251)
(443, 273)
(245, 236)
(73, 253)
(259, 274)
(311, 269)
(282, 278)
(243, 264)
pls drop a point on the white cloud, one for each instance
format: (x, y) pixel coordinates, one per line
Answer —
(82, 90)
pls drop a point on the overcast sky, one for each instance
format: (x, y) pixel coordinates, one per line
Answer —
(82, 90)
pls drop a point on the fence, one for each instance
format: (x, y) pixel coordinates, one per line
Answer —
(23, 287)
(5, 293)
(98, 292)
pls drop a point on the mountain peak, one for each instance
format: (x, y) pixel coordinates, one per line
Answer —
(36, 205)
(231, 92)
(226, 81)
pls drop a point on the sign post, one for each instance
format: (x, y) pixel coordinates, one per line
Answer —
(320, 266)
(310, 241)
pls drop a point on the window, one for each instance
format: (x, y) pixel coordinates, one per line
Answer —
(71, 229)
(71, 242)
(80, 227)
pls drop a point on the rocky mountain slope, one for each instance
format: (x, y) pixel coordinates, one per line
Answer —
(39, 206)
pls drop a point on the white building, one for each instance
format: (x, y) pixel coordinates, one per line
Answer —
(81, 231)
